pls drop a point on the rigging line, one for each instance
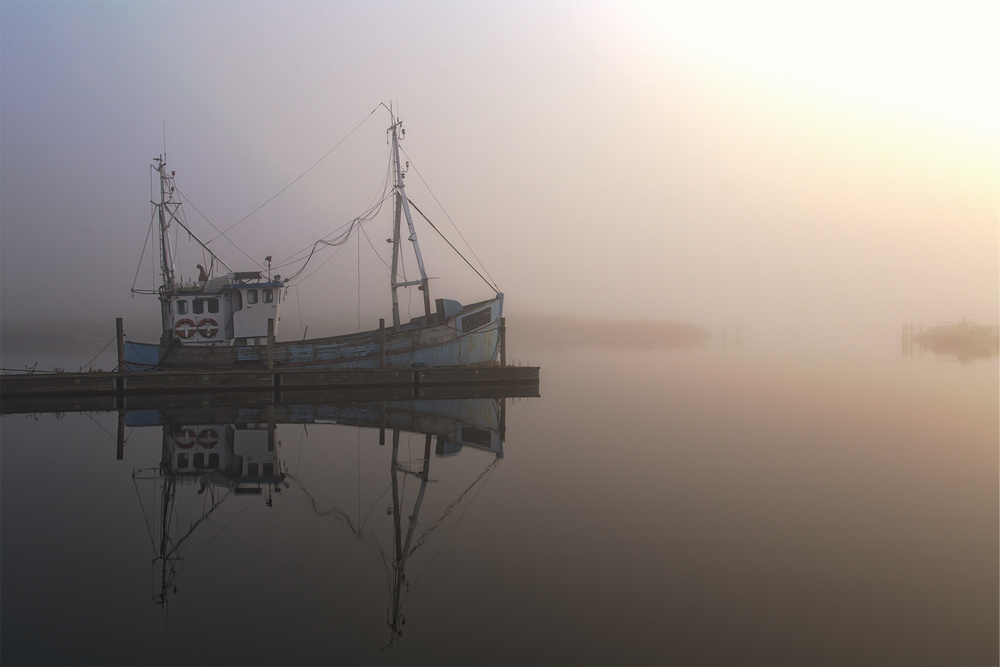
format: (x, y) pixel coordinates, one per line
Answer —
(338, 247)
(101, 426)
(221, 233)
(338, 241)
(490, 284)
(444, 541)
(329, 240)
(375, 504)
(369, 213)
(101, 352)
(295, 574)
(359, 302)
(374, 249)
(325, 155)
(309, 249)
(145, 243)
(322, 242)
(368, 538)
(223, 526)
(142, 510)
(298, 302)
(467, 244)
(448, 510)
(340, 238)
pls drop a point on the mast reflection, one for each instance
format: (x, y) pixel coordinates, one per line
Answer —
(212, 454)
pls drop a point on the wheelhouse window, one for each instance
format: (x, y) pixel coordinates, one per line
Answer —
(251, 296)
(253, 470)
(200, 305)
(182, 307)
(267, 295)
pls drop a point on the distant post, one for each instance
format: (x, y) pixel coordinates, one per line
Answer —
(503, 341)
(120, 337)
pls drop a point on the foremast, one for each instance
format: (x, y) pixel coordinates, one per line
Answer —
(403, 209)
(168, 211)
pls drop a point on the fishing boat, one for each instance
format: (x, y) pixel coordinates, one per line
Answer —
(228, 319)
(965, 339)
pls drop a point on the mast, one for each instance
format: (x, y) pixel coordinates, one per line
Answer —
(402, 550)
(169, 211)
(166, 253)
(403, 209)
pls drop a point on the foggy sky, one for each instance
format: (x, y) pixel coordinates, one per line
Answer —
(783, 166)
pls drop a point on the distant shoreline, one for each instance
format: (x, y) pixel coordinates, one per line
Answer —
(549, 331)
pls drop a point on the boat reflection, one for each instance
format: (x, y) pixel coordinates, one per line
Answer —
(211, 454)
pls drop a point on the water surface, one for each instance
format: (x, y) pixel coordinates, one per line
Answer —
(691, 506)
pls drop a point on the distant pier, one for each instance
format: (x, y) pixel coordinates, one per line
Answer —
(723, 335)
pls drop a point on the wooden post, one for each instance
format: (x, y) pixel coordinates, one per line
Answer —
(120, 336)
(271, 433)
(381, 343)
(503, 341)
(270, 343)
(381, 427)
(121, 432)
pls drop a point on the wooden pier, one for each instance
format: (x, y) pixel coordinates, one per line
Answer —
(135, 390)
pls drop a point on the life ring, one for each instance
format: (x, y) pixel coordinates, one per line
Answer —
(185, 438)
(185, 328)
(208, 327)
(208, 438)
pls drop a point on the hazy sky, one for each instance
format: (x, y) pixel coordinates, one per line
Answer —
(784, 165)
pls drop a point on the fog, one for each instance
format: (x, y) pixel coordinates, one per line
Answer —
(817, 172)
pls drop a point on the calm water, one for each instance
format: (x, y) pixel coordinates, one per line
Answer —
(696, 506)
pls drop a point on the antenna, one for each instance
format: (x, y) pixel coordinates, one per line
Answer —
(164, 139)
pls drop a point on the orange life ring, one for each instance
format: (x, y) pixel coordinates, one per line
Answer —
(208, 327)
(208, 438)
(185, 328)
(185, 439)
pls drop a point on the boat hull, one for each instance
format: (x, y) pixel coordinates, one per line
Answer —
(469, 337)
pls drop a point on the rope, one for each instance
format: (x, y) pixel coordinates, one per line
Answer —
(325, 155)
(142, 510)
(142, 255)
(338, 238)
(114, 438)
(488, 283)
(427, 185)
(221, 233)
(113, 338)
